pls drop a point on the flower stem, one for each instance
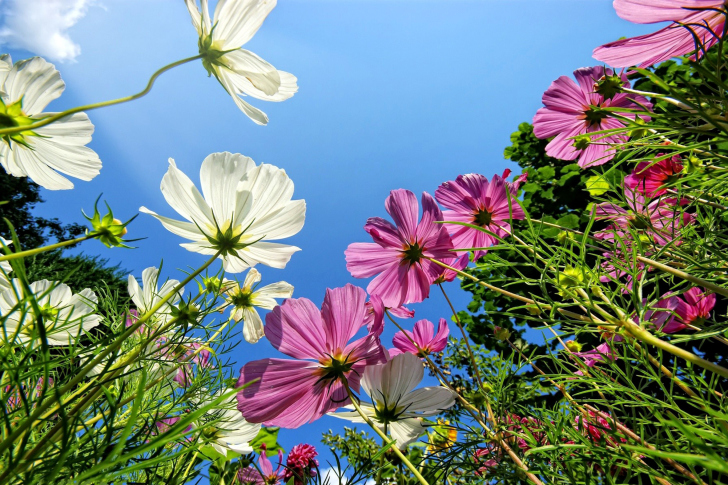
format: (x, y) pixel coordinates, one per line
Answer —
(33, 252)
(45, 405)
(681, 274)
(473, 362)
(102, 104)
(384, 437)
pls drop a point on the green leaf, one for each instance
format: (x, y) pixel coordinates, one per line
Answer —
(268, 437)
(547, 172)
(597, 185)
(569, 221)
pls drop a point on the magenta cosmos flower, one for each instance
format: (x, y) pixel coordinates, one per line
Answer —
(264, 473)
(650, 178)
(474, 200)
(657, 219)
(301, 464)
(425, 337)
(573, 109)
(398, 254)
(694, 307)
(290, 393)
(696, 21)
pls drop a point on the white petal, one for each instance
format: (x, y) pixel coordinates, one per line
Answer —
(219, 177)
(36, 81)
(186, 230)
(264, 297)
(288, 87)
(270, 189)
(428, 401)
(251, 278)
(24, 162)
(238, 20)
(283, 223)
(226, 79)
(257, 71)
(270, 254)
(405, 431)
(6, 64)
(252, 326)
(135, 292)
(183, 196)
(149, 288)
(195, 15)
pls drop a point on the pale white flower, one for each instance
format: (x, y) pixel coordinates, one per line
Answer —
(241, 208)
(396, 405)
(65, 315)
(229, 430)
(44, 153)
(5, 267)
(149, 294)
(244, 299)
(239, 71)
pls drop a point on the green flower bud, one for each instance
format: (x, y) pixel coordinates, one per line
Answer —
(609, 86)
(582, 142)
(501, 333)
(186, 313)
(564, 236)
(573, 345)
(107, 229)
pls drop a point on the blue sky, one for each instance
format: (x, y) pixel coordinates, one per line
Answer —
(393, 94)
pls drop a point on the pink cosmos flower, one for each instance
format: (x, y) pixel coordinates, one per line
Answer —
(574, 109)
(516, 427)
(602, 353)
(448, 274)
(696, 21)
(425, 337)
(487, 458)
(650, 178)
(202, 359)
(264, 473)
(474, 200)
(597, 429)
(290, 393)
(656, 218)
(398, 254)
(301, 463)
(375, 313)
(695, 306)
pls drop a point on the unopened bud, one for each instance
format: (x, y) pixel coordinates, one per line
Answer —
(564, 236)
(609, 85)
(501, 333)
(573, 345)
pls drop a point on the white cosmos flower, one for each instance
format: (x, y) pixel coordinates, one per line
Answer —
(66, 316)
(239, 71)
(148, 295)
(245, 298)
(229, 430)
(396, 406)
(241, 208)
(44, 153)
(5, 267)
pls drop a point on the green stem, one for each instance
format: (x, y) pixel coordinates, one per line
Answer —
(33, 252)
(680, 274)
(384, 437)
(81, 374)
(102, 104)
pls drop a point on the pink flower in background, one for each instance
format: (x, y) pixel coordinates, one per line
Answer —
(601, 353)
(425, 337)
(487, 458)
(474, 200)
(597, 428)
(290, 393)
(650, 178)
(694, 306)
(573, 109)
(457, 263)
(375, 314)
(695, 21)
(264, 474)
(301, 464)
(398, 254)
(656, 218)
(201, 359)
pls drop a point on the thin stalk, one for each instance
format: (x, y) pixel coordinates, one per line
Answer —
(51, 247)
(43, 406)
(102, 104)
(473, 363)
(681, 274)
(384, 437)
(472, 410)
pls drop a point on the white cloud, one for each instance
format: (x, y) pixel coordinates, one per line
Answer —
(41, 26)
